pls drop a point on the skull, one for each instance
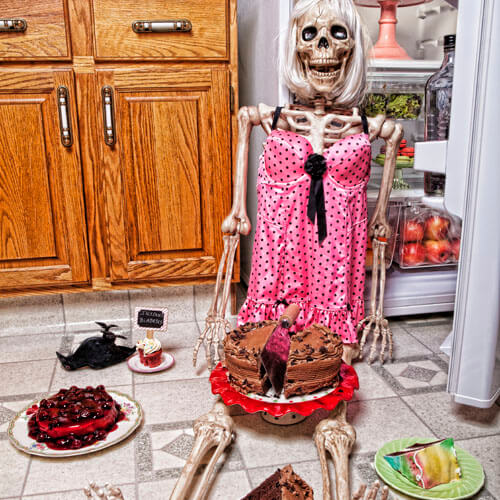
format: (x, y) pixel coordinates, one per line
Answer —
(324, 46)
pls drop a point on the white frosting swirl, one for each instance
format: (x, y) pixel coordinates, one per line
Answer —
(149, 346)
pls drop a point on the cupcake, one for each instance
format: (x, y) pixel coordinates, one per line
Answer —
(149, 351)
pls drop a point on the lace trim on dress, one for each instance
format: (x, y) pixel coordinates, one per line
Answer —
(341, 320)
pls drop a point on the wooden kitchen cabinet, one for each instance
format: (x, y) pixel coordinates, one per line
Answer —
(169, 173)
(42, 220)
(138, 197)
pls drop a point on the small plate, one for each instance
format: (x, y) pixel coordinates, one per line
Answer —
(269, 397)
(134, 363)
(470, 483)
(18, 430)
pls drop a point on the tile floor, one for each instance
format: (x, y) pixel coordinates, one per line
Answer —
(403, 398)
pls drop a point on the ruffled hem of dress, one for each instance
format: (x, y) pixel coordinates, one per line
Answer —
(340, 320)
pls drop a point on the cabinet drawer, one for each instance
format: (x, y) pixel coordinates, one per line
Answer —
(204, 21)
(45, 34)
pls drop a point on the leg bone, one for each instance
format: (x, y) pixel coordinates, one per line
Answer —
(338, 437)
(212, 430)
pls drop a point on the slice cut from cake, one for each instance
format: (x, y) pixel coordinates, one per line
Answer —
(427, 465)
(284, 484)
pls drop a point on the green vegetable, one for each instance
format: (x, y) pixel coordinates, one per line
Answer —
(375, 104)
(404, 106)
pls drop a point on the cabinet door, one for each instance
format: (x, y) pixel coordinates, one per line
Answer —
(168, 176)
(42, 228)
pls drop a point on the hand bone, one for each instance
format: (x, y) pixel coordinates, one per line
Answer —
(337, 436)
(212, 430)
(216, 325)
(375, 321)
(371, 494)
(107, 492)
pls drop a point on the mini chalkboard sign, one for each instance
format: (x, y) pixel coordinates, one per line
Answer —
(148, 318)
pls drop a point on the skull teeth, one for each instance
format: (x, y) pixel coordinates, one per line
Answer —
(325, 69)
(323, 74)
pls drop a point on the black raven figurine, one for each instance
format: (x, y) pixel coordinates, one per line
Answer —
(97, 352)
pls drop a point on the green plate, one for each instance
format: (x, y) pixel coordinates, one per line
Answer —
(471, 482)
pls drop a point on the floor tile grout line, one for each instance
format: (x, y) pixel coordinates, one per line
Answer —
(418, 417)
(63, 308)
(478, 437)
(53, 376)
(418, 340)
(26, 476)
(175, 380)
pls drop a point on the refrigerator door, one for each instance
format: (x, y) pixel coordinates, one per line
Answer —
(473, 193)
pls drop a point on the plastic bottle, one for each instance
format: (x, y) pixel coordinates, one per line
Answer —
(438, 90)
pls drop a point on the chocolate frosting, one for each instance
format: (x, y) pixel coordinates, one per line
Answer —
(314, 360)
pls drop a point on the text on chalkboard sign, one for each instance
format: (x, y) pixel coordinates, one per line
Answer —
(151, 319)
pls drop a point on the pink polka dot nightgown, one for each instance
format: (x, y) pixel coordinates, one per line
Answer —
(289, 265)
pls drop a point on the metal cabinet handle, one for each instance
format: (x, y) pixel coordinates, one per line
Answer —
(108, 114)
(64, 119)
(13, 25)
(170, 26)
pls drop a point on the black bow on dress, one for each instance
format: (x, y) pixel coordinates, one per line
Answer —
(315, 166)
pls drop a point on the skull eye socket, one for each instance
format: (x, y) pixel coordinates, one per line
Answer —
(339, 32)
(309, 33)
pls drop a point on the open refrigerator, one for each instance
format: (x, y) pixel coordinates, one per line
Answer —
(470, 287)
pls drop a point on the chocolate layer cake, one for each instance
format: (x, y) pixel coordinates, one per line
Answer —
(313, 363)
(284, 484)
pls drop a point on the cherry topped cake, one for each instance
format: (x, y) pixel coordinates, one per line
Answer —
(74, 418)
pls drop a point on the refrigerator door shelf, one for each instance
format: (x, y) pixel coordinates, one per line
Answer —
(431, 156)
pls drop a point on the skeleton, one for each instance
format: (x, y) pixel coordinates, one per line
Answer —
(108, 492)
(324, 48)
(325, 66)
(212, 430)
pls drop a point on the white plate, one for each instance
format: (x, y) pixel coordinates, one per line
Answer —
(134, 363)
(269, 397)
(18, 430)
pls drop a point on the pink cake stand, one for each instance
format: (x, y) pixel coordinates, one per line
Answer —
(387, 46)
(290, 413)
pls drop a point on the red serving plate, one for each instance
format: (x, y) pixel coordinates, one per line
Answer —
(344, 392)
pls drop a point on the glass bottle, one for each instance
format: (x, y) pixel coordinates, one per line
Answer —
(438, 91)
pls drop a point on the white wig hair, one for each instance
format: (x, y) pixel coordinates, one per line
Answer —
(352, 92)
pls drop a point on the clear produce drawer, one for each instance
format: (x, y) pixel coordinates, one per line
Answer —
(427, 237)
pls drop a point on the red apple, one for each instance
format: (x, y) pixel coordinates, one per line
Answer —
(413, 254)
(438, 251)
(413, 231)
(436, 227)
(455, 248)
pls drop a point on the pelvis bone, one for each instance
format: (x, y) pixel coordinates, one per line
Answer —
(212, 430)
